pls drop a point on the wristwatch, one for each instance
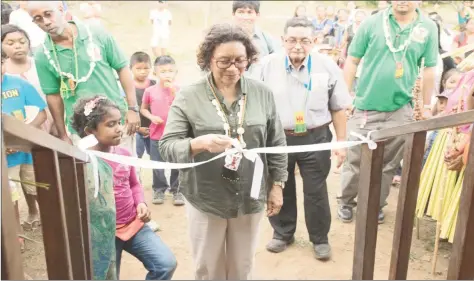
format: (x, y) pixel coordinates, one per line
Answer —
(280, 184)
(133, 108)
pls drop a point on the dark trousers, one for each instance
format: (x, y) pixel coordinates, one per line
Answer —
(160, 184)
(314, 169)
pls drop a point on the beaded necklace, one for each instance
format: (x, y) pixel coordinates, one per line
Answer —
(73, 80)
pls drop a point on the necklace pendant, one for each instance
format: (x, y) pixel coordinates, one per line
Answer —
(399, 70)
(72, 85)
(63, 89)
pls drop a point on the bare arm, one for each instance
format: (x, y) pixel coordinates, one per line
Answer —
(145, 110)
(56, 106)
(350, 70)
(39, 119)
(428, 84)
(339, 120)
(126, 80)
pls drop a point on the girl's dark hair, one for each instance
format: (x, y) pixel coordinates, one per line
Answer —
(11, 28)
(220, 34)
(80, 121)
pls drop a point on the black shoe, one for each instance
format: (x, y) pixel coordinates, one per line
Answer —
(345, 214)
(381, 217)
(278, 246)
(322, 251)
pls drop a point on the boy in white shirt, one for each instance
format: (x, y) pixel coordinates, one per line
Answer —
(161, 20)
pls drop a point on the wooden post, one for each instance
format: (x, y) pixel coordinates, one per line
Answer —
(12, 267)
(53, 219)
(73, 215)
(462, 256)
(402, 237)
(84, 208)
(368, 206)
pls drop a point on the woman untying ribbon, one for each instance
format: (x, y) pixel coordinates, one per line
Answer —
(223, 218)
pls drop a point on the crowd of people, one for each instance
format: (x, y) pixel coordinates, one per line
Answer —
(339, 71)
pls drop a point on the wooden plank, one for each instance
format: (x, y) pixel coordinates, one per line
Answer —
(462, 255)
(12, 266)
(50, 201)
(24, 137)
(84, 208)
(408, 193)
(73, 215)
(368, 206)
(425, 125)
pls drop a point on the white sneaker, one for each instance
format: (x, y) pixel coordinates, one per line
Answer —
(153, 225)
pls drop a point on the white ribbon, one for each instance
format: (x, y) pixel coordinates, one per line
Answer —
(250, 154)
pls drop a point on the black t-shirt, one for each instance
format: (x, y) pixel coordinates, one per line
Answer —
(144, 122)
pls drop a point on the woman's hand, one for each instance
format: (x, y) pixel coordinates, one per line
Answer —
(212, 143)
(275, 201)
(143, 213)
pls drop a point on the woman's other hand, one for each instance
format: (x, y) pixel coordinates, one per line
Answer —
(275, 201)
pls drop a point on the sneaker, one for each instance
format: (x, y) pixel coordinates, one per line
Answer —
(381, 217)
(178, 199)
(153, 225)
(322, 251)
(278, 246)
(345, 214)
(158, 198)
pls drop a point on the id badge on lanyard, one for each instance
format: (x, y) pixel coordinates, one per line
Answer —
(300, 123)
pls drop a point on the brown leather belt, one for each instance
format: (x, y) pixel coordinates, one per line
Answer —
(292, 133)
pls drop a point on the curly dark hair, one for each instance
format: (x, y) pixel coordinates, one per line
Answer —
(80, 121)
(224, 33)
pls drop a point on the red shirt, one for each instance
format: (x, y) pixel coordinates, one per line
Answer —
(159, 100)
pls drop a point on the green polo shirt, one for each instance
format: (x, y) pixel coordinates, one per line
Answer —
(378, 89)
(109, 58)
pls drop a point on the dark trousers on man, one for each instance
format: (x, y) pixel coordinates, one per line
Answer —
(160, 183)
(314, 169)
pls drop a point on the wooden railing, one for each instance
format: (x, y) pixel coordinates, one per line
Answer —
(63, 206)
(461, 265)
(64, 211)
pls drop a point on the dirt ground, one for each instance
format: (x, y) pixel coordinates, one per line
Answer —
(129, 23)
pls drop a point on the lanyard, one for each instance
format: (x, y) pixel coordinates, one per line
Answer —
(308, 85)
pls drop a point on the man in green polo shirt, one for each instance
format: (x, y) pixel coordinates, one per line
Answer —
(393, 43)
(78, 61)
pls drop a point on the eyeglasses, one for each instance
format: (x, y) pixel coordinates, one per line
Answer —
(303, 42)
(224, 64)
(40, 19)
